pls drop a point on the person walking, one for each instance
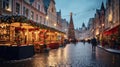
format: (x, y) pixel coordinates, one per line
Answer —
(94, 43)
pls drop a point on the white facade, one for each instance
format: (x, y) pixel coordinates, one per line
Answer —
(51, 15)
(32, 10)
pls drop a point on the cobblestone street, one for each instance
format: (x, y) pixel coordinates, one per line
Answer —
(73, 55)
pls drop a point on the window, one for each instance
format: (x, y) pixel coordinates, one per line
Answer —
(24, 11)
(38, 7)
(17, 8)
(37, 18)
(44, 21)
(40, 19)
(7, 5)
(32, 15)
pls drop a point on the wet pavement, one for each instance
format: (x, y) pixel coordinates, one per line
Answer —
(72, 55)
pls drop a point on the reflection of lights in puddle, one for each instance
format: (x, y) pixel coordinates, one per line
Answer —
(15, 61)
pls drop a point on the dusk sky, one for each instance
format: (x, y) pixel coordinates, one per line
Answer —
(82, 9)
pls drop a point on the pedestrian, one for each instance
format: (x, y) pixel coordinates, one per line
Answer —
(94, 43)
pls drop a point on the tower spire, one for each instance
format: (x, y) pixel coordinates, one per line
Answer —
(102, 6)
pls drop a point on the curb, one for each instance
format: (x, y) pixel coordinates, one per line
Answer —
(109, 50)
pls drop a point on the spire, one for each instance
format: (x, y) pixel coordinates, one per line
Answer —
(53, 1)
(102, 6)
(83, 25)
(71, 33)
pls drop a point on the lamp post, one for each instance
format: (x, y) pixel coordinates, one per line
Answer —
(47, 18)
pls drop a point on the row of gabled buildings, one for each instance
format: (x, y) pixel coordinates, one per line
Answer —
(105, 24)
(31, 21)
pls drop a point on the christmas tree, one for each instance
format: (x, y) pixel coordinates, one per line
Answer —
(71, 32)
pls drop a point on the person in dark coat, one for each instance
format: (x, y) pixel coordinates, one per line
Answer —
(94, 43)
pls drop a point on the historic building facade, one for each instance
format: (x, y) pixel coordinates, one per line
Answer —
(65, 26)
(51, 13)
(33, 10)
(112, 13)
(59, 21)
(29, 22)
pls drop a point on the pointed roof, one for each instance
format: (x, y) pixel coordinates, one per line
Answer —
(47, 3)
(102, 6)
(71, 19)
(53, 1)
(59, 13)
(83, 25)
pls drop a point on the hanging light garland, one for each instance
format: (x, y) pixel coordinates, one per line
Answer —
(23, 19)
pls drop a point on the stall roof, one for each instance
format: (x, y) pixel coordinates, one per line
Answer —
(23, 19)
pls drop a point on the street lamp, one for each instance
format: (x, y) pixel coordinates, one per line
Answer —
(47, 17)
(55, 24)
(103, 24)
(47, 20)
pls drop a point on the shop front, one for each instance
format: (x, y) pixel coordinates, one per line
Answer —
(14, 38)
(111, 38)
(19, 31)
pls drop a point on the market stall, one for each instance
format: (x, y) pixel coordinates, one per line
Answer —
(111, 37)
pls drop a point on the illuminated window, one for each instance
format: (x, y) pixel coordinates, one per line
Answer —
(7, 5)
(110, 17)
(32, 15)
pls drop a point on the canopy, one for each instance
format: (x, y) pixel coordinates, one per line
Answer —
(112, 31)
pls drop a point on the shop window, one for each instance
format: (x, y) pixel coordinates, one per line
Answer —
(4, 33)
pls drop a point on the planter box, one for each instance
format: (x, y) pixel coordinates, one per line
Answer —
(16, 52)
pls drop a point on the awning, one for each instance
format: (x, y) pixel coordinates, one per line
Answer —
(112, 31)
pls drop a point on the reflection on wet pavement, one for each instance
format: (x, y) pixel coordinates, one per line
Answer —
(73, 55)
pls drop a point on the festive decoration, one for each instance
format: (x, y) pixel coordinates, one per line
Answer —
(23, 19)
(71, 33)
(20, 29)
